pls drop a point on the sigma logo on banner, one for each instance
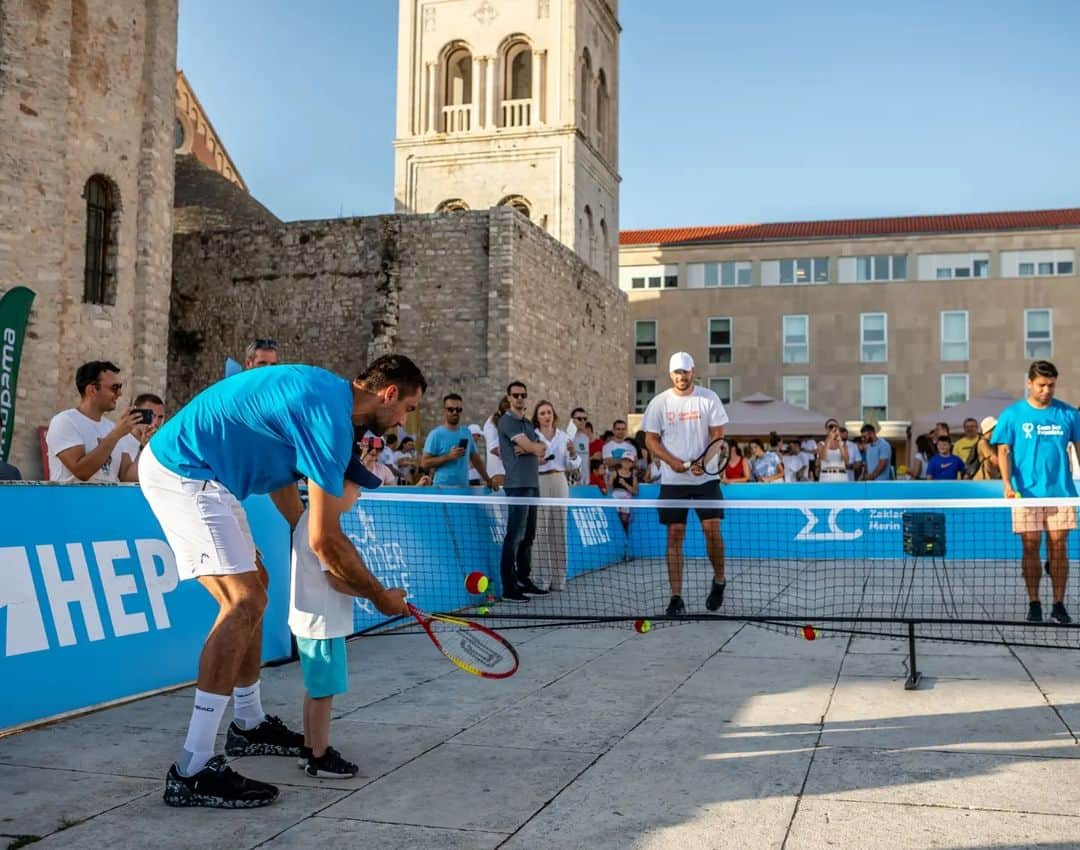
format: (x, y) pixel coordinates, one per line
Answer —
(851, 528)
(386, 560)
(592, 526)
(126, 606)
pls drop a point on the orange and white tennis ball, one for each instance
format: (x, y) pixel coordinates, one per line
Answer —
(476, 582)
(642, 626)
(809, 632)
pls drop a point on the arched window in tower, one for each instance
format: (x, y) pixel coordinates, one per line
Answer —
(452, 205)
(605, 249)
(102, 226)
(518, 85)
(590, 235)
(458, 93)
(518, 202)
(601, 111)
(585, 94)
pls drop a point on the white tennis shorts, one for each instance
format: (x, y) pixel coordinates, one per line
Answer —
(204, 523)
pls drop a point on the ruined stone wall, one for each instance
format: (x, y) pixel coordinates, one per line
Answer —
(461, 293)
(84, 90)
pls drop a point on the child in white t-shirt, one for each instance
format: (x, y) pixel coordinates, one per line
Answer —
(320, 616)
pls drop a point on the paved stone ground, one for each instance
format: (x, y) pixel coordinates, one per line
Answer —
(698, 736)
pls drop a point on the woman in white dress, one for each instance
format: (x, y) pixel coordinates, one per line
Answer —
(832, 456)
(549, 569)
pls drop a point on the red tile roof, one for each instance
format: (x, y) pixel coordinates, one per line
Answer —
(840, 228)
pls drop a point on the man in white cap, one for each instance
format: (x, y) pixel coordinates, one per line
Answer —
(679, 424)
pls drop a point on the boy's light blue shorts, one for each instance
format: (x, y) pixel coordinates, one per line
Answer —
(322, 661)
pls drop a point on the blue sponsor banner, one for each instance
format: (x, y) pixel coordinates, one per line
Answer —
(89, 597)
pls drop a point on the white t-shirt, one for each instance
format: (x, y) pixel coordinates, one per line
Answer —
(854, 456)
(316, 610)
(683, 423)
(793, 465)
(491, 441)
(613, 450)
(72, 428)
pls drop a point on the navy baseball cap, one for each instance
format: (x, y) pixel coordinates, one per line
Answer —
(357, 473)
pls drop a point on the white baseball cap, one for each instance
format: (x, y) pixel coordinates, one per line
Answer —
(475, 429)
(680, 362)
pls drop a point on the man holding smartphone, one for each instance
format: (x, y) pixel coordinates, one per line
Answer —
(449, 449)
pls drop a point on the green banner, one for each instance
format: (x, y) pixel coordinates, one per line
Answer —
(14, 314)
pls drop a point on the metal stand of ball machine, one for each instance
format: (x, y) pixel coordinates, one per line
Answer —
(924, 538)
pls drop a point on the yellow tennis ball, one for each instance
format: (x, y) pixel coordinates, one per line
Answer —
(482, 610)
(642, 626)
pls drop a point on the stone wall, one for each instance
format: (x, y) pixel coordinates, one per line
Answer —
(85, 90)
(476, 298)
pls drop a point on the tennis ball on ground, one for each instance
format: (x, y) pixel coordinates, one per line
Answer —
(809, 632)
(482, 610)
(476, 582)
(642, 626)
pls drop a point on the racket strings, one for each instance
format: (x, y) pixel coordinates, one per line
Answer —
(474, 649)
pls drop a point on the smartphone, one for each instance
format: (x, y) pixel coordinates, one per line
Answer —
(463, 444)
(146, 416)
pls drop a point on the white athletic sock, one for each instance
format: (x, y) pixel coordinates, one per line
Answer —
(247, 706)
(202, 731)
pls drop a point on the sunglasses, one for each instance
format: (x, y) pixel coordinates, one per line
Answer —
(452, 409)
(519, 395)
(266, 343)
(114, 387)
(580, 418)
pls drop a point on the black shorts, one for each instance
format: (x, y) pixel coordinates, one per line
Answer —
(708, 491)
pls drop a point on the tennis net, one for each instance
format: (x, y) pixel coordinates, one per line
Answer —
(954, 567)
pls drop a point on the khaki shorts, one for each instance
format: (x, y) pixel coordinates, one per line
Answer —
(204, 523)
(1026, 520)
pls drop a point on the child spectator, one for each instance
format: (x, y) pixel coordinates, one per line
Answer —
(596, 474)
(624, 485)
(944, 466)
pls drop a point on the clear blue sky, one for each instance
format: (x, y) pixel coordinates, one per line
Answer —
(730, 112)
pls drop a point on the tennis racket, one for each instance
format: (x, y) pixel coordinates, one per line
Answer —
(714, 459)
(474, 648)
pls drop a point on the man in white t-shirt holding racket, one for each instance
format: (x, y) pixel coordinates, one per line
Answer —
(679, 424)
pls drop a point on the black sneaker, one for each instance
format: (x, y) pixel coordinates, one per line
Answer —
(716, 596)
(1058, 612)
(305, 754)
(330, 765)
(675, 607)
(514, 596)
(269, 738)
(1034, 612)
(217, 786)
(530, 589)
(1047, 567)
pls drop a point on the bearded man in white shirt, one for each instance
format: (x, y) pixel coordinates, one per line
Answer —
(679, 424)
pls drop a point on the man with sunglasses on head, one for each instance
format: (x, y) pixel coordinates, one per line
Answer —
(449, 450)
(521, 451)
(83, 445)
(262, 352)
(260, 432)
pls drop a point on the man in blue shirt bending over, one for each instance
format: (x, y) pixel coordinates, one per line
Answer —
(260, 431)
(1032, 438)
(449, 449)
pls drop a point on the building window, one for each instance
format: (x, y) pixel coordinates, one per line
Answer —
(708, 275)
(586, 89)
(720, 350)
(644, 390)
(601, 111)
(1046, 263)
(517, 105)
(102, 204)
(648, 277)
(722, 387)
(1038, 334)
(519, 203)
(949, 266)
(954, 335)
(796, 333)
(796, 389)
(876, 267)
(645, 341)
(795, 272)
(874, 337)
(637, 283)
(874, 395)
(452, 205)
(954, 389)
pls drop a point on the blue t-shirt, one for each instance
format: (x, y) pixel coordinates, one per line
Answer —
(1039, 441)
(454, 473)
(263, 429)
(947, 468)
(874, 452)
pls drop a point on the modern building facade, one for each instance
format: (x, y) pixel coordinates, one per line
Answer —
(513, 103)
(880, 319)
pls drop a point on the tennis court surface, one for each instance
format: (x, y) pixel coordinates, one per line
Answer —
(703, 735)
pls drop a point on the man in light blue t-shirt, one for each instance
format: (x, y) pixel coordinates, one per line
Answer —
(260, 431)
(1032, 438)
(878, 455)
(449, 449)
